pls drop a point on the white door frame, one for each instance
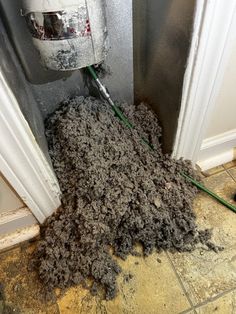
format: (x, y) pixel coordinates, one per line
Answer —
(22, 162)
(214, 28)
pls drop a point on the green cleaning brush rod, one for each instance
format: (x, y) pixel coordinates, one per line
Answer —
(107, 96)
(203, 188)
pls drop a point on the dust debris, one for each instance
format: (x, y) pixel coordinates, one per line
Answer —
(4, 307)
(102, 70)
(116, 193)
(127, 277)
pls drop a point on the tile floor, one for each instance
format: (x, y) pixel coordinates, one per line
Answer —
(199, 282)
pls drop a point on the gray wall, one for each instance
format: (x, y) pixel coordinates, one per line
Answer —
(162, 36)
(51, 87)
(120, 55)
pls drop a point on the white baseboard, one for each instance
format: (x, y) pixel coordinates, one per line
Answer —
(16, 219)
(18, 236)
(216, 160)
(217, 150)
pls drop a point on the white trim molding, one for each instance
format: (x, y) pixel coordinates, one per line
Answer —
(217, 150)
(22, 162)
(18, 236)
(214, 28)
(12, 220)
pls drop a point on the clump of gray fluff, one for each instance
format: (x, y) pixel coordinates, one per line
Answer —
(116, 192)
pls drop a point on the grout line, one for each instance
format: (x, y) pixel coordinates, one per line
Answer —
(207, 175)
(207, 301)
(181, 283)
(228, 172)
(210, 300)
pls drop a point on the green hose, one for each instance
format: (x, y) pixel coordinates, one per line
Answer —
(116, 109)
(92, 72)
(107, 96)
(122, 117)
(126, 121)
(203, 188)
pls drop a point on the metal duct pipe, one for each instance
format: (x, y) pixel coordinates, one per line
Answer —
(69, 34)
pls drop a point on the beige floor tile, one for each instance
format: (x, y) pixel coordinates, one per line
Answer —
(230, 164)
(232, 172)
(145, 286)
(152, 288)
(79, 301)
(212, 171)
(205, 274)
(223, 305)
(20, 290)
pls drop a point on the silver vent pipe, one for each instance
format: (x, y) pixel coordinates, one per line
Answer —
(69, 34)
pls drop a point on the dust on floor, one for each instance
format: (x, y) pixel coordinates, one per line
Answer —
(116, 192)
(199, 282)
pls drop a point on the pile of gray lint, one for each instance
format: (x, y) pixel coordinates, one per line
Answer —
(116, 192)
